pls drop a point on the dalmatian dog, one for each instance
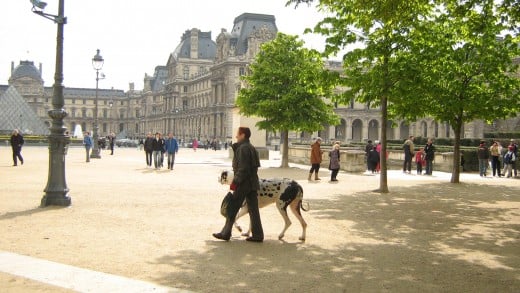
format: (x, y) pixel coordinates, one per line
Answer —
(282, 191)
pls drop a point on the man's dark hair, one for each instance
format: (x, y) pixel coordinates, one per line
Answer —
(369, 141)
(246, 131)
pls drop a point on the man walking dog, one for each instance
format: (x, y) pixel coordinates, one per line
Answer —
(245, 185)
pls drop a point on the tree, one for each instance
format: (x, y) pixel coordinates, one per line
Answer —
(286, 87)
(372, 73)
(462, 70)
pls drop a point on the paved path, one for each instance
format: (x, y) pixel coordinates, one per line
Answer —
(136, 229)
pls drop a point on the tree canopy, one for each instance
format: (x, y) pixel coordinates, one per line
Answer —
(438, 58)
(287, 85)
(463, 71)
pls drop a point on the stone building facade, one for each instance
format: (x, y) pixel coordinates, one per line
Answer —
(79, 102)
(193, 95)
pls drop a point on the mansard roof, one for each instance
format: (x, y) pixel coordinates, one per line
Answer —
(246, 24)
(15, 113)
(26, 69)
(159, 78)
(206, 48)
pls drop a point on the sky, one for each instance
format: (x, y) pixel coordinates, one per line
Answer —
(133, 36)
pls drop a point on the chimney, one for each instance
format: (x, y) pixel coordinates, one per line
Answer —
(194, 40)
(131, 85)
(41, 73)
(12, 67)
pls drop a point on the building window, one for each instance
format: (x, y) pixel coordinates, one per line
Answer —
(105, 112)
(185, 88)
(241, 71)
(186, 72)
(84, 113)
(84, 101)
(73, 101)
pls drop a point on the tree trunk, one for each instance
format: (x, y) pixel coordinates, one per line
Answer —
(455, 174)
(285, 149)
(383, 183)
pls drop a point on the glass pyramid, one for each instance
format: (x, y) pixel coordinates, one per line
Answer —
(15, 113)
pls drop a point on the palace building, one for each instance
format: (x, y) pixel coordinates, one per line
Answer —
(193, 95)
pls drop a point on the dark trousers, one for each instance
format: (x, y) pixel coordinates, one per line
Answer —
(148, 158)
(407, 164)
(333, 174)
(315, 167)
(495, 165)
(419, 168)
(87, 149)
(429, 167)
(17, 154)
(251, 198)
(171, 160)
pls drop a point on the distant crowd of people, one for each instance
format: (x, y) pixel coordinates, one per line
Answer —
(502, 160)
(498, 156)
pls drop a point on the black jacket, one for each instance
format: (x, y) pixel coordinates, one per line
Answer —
(429, 150)
(245, 166)
(148, 147)
(17, 142)
(158, 144)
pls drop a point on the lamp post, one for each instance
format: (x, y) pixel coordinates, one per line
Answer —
(97, 63)
(56, 191)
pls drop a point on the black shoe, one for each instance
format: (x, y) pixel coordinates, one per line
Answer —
(221, 236)
(252, 239)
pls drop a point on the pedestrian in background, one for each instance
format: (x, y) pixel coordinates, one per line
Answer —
(494, 152)
(111, 141)
(368, 147)
(419, 161)
(429, 156)
(334, 164)
(483, 158)
(158, 148)
(16, 145)
(172, 147)
(409, 151)
(373, 159)
(514, 165)
(316, 157)
(148, 149)
(509, 160)
(87, 142)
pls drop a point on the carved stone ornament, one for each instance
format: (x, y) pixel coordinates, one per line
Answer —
(263, 34)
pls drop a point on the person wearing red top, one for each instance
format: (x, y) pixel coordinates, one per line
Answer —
(419, 161)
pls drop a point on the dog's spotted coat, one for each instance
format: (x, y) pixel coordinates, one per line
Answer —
(282, 191)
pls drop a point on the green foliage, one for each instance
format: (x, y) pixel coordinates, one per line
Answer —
(462, 70)
(286, 86)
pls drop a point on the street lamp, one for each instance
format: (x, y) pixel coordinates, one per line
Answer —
(97, 63)
(56, 191)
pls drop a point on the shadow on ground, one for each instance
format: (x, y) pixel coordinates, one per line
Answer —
(431, 238)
